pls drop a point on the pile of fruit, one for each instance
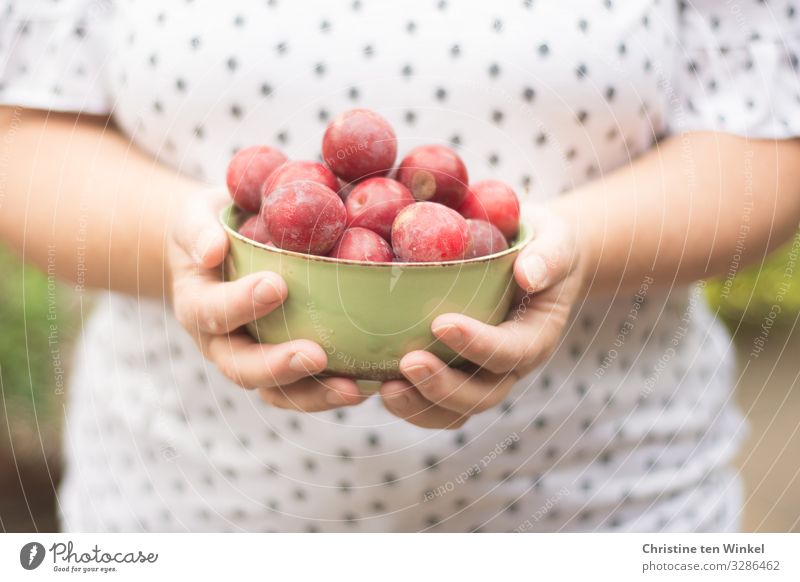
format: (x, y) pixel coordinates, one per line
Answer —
(350, 207)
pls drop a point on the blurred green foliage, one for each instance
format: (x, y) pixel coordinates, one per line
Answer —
(751, 296)
(37, 330)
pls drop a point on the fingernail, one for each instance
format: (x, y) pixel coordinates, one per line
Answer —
(266, 292)
(535, 271)
(399, 399)
(451, 333)
(300, 362)
(335, 398)
(418, 373)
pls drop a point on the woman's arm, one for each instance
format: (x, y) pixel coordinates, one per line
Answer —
(78, 197)
(695, 206)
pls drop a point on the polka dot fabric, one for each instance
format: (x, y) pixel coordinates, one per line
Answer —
(740, 68)
(52, 54)
(629, 427)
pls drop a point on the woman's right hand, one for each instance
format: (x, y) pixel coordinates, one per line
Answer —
(213, 312)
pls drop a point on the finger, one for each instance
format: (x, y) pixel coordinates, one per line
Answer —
(199, 232)
(499, 348)
(549, 257)
(455, 390)
(405, 401)
(253, 365)
(314, 394)
(213, 307)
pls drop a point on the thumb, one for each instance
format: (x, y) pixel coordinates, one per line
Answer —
(198, 230)
(550, 256)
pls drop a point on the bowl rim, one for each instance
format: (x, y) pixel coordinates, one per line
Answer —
(525, 229)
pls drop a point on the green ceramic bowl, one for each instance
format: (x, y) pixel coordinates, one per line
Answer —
(368, 316)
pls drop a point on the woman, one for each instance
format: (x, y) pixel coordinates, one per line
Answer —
(602, 405)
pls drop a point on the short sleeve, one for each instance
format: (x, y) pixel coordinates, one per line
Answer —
(52, 55)
(737, 69)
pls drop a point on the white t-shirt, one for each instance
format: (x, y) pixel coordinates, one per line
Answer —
(630, 426)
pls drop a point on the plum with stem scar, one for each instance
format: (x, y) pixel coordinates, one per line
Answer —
(434, 173)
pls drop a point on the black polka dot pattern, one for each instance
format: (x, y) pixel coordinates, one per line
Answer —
(615, 433)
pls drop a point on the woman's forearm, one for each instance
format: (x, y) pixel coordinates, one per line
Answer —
(697, 205)
(79, 198)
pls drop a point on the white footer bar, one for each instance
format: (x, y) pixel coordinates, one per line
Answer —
(400, 557)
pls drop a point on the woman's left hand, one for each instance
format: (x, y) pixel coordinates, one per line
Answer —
(551, 277)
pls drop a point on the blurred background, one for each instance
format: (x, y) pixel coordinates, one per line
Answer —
(40, 323)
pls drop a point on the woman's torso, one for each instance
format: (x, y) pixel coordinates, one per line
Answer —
(628, 426)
